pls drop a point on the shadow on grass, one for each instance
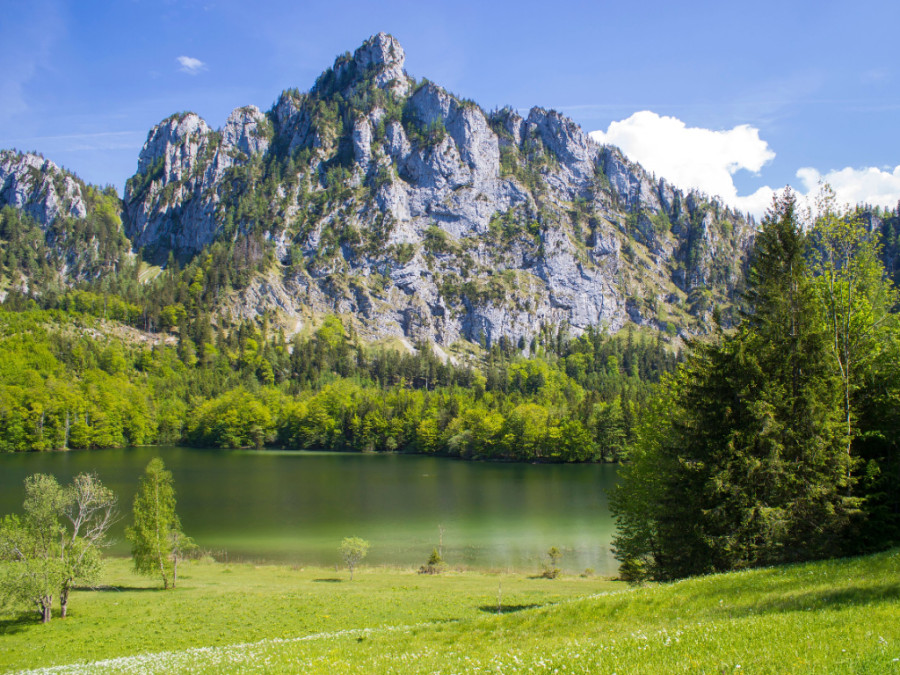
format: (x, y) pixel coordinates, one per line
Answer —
(328, 580)
(508, 609)
(831, 599)
(19, 623)
(117, 589)
(793, 599)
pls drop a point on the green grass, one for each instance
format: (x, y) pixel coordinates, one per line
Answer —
(832, 617)
(222, 604)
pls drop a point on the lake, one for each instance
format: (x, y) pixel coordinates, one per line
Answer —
(293, 506)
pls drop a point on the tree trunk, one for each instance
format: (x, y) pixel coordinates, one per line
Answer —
(63, 602)
(46, 605)
(174, 570)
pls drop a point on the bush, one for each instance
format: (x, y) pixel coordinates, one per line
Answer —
(435, 564)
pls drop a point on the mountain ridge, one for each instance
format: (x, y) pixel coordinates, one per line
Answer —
(426, 217)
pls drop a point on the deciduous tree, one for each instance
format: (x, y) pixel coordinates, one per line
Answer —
(156, 538)
(353, 551)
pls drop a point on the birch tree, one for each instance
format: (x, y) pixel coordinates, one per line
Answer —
(156, 538)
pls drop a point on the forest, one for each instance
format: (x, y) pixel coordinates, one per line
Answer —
(71, 379)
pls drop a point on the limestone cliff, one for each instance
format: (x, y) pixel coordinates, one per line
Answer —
(39, 188)
(427, 217)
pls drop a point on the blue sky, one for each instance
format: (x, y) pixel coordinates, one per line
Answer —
(731, 97)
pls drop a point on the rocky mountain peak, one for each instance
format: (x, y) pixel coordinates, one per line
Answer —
(175, 140)
(426, 218)
(380, 57)
(246, 130)
(380, 49)
(39, 187)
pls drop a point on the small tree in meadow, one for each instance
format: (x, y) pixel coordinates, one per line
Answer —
(56, 543)
(353, 550)
(435, 564)
(551, 566)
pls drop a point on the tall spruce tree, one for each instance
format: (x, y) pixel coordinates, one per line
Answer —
(741, 462)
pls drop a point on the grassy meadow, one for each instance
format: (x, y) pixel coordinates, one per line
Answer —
(838, 616)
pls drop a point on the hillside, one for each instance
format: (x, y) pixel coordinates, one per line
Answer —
(838, 616)
(411, 212)
(55, 230)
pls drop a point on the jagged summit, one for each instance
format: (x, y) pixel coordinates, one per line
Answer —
(379, 59)
(427, 217)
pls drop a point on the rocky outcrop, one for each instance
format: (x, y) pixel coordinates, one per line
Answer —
(427, 218)
(39, 188)
(171, 203)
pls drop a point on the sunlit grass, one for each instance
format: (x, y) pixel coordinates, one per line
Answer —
(221, 604)
(832, 617)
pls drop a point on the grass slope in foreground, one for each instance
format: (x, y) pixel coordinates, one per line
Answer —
(838, 616)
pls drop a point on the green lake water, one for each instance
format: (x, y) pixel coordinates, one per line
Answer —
(297, 506)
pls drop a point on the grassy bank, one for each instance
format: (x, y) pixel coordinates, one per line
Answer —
(837, 616)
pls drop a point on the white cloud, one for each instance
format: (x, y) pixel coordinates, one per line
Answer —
(190, 65)
(869, 185)
(706, 160)
(693, 157)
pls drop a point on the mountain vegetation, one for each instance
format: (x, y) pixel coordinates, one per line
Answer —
(72, 380)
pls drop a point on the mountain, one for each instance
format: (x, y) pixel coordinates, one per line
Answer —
(55, 230)
(426, 217)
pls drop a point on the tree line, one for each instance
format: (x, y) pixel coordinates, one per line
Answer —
(69, 379)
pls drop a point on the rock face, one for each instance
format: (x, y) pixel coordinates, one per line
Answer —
(39, 188)
(172, 202)
(428, 218)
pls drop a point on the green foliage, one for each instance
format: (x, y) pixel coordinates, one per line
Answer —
(353, 550)
(434, 565)
(236, 419)
(437, 241)
(550, 568)
(743, 460)
(64, 385)
(137, 185)
(86, 248)
(156, 538)
(56, 543)
(857, 300)
(59, 388)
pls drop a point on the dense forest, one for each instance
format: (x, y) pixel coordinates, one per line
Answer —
(70, 378)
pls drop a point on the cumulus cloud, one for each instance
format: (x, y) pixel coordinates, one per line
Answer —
(869, 185)
(190, 65)
(693, 157)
